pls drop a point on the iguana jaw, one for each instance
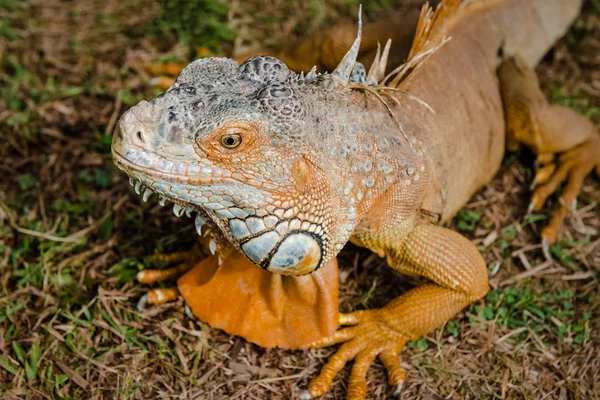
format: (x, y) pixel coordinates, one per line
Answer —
(147, 182)
(279, 242)
(189, 194)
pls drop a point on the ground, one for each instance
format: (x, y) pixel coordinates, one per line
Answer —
(73, 233)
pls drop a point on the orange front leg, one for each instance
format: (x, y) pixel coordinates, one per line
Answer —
(183, 262)
(459, 277)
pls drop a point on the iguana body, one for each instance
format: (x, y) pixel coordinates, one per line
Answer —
(289, 167)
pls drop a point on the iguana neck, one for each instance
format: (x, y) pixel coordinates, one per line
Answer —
(371, 161)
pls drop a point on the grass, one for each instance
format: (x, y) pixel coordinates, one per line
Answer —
(73, 234)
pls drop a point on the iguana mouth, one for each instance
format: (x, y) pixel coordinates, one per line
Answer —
(203, 222)
(126, 165)
(272, 242)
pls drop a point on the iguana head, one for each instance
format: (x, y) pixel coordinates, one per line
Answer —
(259, 151)
(240, 144)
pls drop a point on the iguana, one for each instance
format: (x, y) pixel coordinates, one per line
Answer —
(287, 168)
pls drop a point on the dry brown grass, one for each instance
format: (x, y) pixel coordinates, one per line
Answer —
(72, 234)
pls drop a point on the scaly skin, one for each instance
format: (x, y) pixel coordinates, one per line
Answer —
(290, 167)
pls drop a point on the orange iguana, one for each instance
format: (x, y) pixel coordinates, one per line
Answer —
(286, 168)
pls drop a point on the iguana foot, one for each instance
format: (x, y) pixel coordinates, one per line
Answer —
(164, 74)
(184, 261)
(567, 144)
(458, 277)
(571, 166)
(367, 338)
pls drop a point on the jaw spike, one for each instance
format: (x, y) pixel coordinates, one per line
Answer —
(199, 222)
(147, 194)
(162, 201)
(177, 210)
(344, 69)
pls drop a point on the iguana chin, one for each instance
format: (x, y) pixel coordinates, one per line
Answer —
(290, 167)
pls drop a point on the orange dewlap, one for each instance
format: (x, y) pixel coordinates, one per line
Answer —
(268, 309)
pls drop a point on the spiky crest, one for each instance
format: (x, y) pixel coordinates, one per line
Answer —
(427, 39)
(344, 69)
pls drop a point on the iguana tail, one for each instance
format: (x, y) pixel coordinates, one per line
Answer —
(538, 24)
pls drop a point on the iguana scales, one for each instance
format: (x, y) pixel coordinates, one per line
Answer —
(286, 168)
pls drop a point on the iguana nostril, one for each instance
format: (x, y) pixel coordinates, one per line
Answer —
(140, 136)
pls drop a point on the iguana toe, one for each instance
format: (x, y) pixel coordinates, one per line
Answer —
(396, 374)
(363, 342)
(162, 296)
(571, 167)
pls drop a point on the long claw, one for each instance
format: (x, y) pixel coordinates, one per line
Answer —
(530, 208)
(570, 167)
(156, 297)
(546, 249)
(396, 373)
(565, 204)
(398, 390)
(304, 395)
(542, 192)
(189, 313)
(142, 303)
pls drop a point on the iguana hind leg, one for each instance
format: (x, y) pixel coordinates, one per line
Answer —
(565, 142)
(458, 277)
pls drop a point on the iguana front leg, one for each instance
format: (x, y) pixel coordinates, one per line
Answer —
(182, 262)
(458, 277)
(566, 143)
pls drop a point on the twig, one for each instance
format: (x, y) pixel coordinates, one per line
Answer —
(530, 272)
(74, 238)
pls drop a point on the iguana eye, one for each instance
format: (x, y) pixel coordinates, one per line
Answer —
(231, 140)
